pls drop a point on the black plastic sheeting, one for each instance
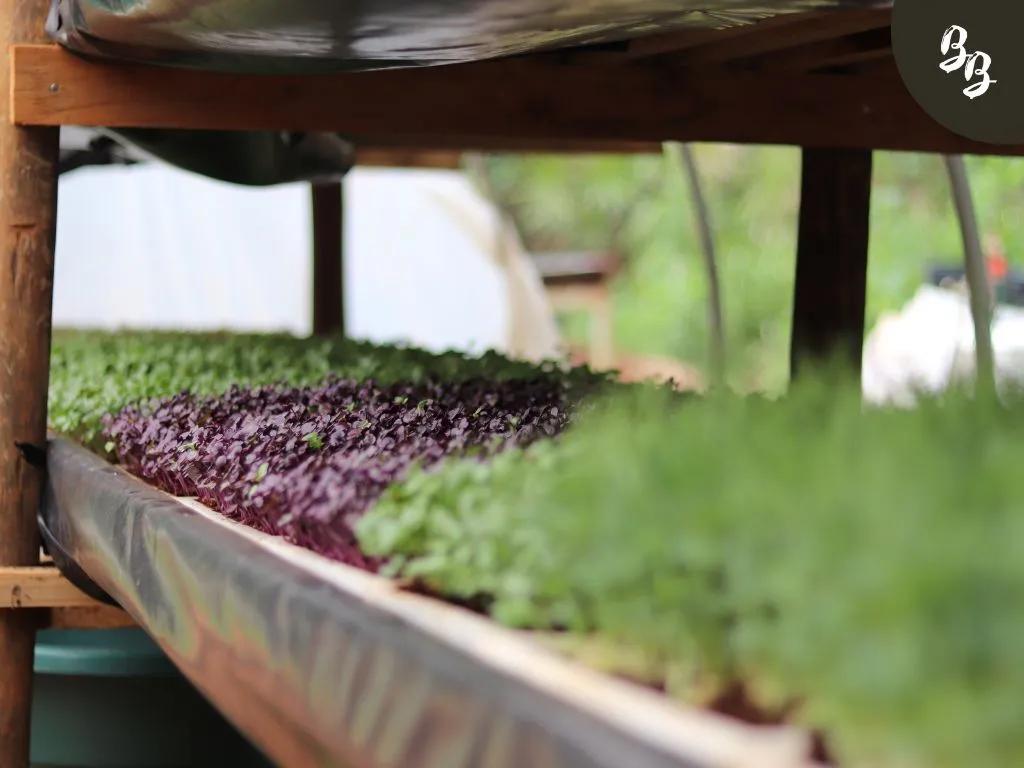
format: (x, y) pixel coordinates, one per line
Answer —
(100, 150)
(322, 674)
(249, 158)
(333, 35)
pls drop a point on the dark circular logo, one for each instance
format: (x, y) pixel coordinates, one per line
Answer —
(963, 62)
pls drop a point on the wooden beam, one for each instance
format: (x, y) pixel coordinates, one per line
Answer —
(328, 201)
(462, 102)
(382, 157)
(28, 207)
(39, 587)
(456, 143)
(812, 29)
(883, 68)
(683, 39)
(88, 617)
(832, 257)
(851, 49)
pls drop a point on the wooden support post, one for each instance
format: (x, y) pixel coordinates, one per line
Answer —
(832, 256)
(28, 203)
(328, 259)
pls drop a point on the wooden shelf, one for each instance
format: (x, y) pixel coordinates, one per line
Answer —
(40, 587)
(59, 603)
(539, 101)
(427, 677)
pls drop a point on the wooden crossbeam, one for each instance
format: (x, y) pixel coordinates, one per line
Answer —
(88, 617)
(858, 48)
(485, 105)
(442, 146)
(59, 603)
(764, 40)
(884, 67)
(681, 40)
(384, 157)
(40, 587)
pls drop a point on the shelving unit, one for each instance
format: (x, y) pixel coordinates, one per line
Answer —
(824, 81)
(582, 282)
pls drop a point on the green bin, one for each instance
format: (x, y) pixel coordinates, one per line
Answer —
(110, 698)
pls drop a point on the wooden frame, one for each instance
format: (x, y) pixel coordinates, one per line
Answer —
(543, 103)
(28, 185)
(403, 157)
(54, 602)
(40, 587)
(596, 300)
(582, 281)
(832, 256)
(817, 80)
(327, 202)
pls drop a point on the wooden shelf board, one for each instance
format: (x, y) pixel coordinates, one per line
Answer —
(486, 105)
(40, 587)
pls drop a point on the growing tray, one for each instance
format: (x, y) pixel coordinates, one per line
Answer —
(304, 36)
(324, 665)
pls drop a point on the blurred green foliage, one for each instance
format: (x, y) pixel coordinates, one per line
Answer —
(870, 569)
(640, 205)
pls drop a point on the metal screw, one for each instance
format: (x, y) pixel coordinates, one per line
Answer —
(54, 87)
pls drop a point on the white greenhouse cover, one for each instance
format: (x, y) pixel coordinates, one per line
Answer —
(426, 262)
(930, 343)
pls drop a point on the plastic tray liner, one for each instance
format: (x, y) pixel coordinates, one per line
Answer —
(300, 36)
(323, 670)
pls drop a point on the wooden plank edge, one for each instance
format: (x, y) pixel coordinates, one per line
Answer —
(817, 28)
(652, 717)
(40, 587)
(842, 51)
(374, 157)
(87, 617)
(628, 103)
(437, 145)
(662, 43)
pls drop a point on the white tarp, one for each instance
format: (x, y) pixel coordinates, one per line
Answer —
(929, 344)
(425, 259)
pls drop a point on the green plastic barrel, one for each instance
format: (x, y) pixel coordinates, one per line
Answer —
(110, 698)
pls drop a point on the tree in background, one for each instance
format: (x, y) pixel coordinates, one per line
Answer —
(573, 203)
